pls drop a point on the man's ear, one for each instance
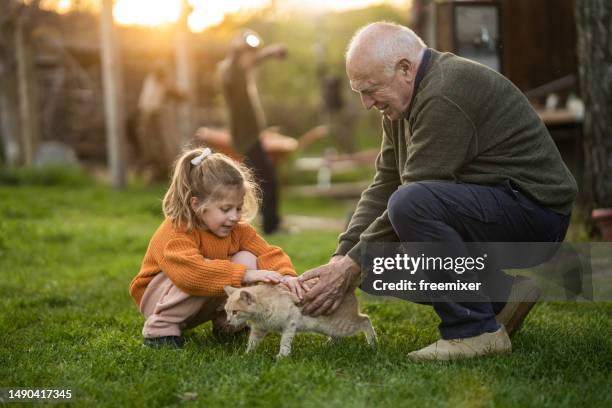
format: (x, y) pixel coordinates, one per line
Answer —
(246, 297)
(405, 68)
(229, 289)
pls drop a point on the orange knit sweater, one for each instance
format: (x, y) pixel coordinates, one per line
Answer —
(198, 261)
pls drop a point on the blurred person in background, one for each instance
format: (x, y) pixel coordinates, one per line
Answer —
(247, 118)
(156, 142)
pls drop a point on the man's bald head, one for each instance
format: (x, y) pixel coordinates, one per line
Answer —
(382, 61)
(382, 45)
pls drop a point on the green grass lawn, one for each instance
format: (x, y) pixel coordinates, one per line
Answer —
(68, 253)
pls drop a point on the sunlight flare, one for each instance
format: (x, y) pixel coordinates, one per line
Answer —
(206, 13)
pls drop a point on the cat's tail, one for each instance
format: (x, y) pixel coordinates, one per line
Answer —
(368, 330)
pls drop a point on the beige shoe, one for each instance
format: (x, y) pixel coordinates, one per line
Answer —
(523, 297)
(443, 350)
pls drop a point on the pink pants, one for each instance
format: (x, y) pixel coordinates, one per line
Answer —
(168, 310)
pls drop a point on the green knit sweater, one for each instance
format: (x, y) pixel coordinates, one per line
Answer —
(466, 123)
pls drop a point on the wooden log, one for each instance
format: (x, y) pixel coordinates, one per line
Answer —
(340, 191)
(277, 146)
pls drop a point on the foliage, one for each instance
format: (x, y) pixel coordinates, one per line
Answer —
(46, 176)
(290, 88)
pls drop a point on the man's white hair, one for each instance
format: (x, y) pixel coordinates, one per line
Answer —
(386, 42)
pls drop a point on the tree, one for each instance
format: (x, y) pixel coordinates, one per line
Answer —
(19, 118)
(111, 74)
(594, 28)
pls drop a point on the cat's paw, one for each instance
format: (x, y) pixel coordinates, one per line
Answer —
(281, 356)
(333, 341)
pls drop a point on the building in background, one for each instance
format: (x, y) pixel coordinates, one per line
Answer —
(532, 43)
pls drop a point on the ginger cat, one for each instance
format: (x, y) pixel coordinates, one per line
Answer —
(272, 308)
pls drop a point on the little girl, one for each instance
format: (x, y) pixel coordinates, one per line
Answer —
(204, 244)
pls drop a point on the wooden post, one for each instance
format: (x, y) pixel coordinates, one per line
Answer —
(113, 103)
(184, 76)
(594, 27)
(26, 86)
(9, 112)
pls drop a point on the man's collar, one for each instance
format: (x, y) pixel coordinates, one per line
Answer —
(419, 77)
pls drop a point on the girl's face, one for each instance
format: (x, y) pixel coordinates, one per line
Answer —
(222, 215)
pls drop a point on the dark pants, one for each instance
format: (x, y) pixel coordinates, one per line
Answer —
(265, 174)
(457, 212)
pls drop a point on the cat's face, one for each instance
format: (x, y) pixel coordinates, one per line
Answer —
(240, 305)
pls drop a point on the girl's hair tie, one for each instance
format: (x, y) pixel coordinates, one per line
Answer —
(198, 159)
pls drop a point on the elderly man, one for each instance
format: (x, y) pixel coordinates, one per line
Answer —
(464, 157)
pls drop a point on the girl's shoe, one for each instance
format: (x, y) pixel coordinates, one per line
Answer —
(176, 342)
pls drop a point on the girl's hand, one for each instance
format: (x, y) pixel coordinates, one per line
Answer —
(294, 285)
(260, 275)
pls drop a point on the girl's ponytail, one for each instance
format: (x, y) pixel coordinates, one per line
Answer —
(176, 205)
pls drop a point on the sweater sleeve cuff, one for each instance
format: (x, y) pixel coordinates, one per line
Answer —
(355, 253)
(237, 274)
(344, 247)
(287, 272)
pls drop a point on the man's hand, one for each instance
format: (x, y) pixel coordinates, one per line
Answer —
(335, 279)
(294, 285)
(336, 258)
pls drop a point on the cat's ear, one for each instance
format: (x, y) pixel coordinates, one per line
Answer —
(246, 297)
(229, 289)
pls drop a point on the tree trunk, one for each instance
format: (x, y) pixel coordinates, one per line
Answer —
(113, 104)
(594, 28)
(9, 102)
(184, 77)
(27, 86)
